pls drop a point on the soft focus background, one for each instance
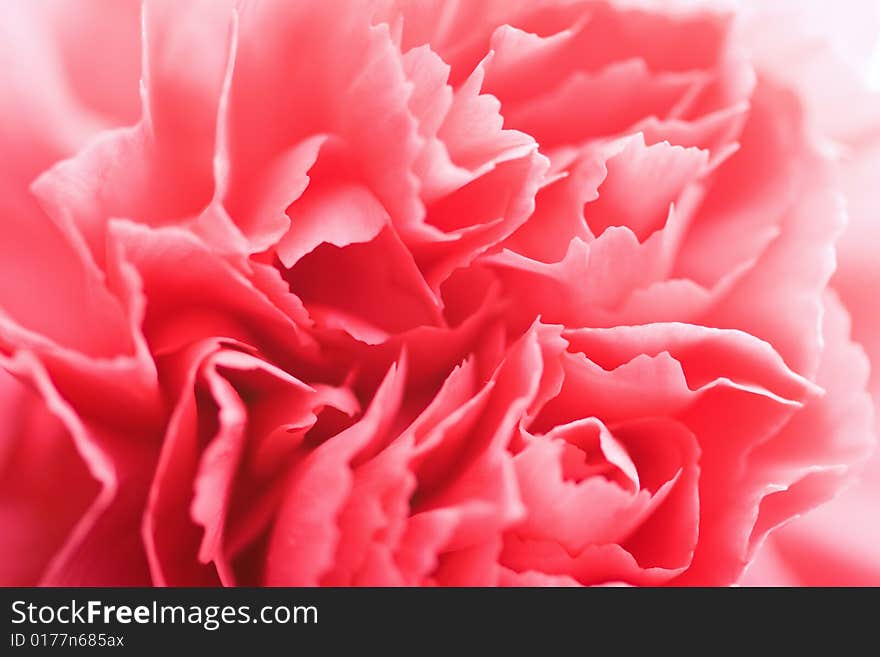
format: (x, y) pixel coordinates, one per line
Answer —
(837, 544)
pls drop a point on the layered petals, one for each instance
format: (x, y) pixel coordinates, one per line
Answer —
(407, 293)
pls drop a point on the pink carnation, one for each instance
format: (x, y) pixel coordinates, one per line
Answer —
(427, 293)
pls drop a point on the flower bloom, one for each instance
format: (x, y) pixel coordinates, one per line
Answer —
(420, 293)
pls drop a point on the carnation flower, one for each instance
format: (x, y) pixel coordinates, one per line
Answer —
(423, 293)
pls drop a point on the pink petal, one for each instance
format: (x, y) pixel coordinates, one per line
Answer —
(336, 209)
(808, 460)
(669, 168)
(111, 518)
(38, 513)
(229, 303)
(305, 535)
(161, 170)
(571, 114)
(370, 290)
(351, 65)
